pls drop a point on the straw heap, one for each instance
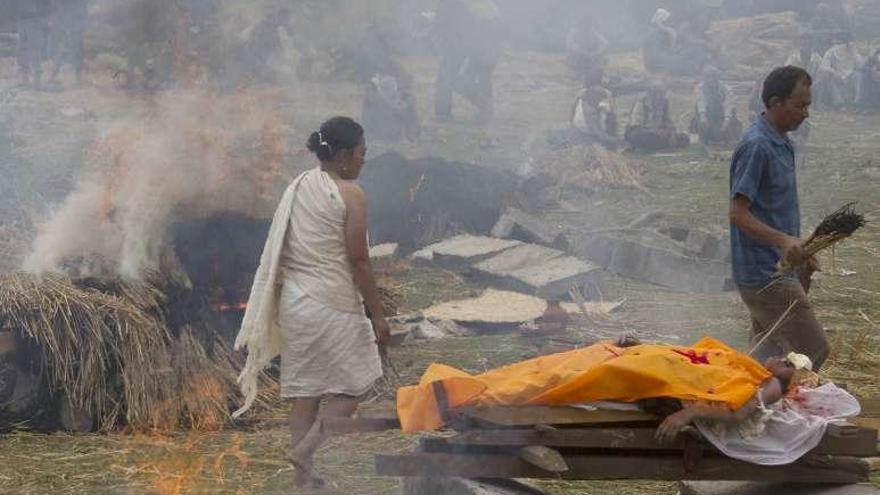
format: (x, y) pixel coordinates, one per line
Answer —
(834, 228)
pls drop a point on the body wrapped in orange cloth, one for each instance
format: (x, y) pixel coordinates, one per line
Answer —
(708, 371)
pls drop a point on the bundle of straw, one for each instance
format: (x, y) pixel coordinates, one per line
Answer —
(89, 338)
(834, 228)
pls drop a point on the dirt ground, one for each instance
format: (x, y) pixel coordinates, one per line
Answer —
(533, 94)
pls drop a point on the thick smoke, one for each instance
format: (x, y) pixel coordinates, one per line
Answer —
(192, 155)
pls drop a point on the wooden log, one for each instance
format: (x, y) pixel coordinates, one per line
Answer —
(533, 415)
(863, 443)
(544, 457)
(343, 426)
(870, 407)
(635, 438)
(622, 467)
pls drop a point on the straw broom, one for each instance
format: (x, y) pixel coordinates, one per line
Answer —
(834, 228)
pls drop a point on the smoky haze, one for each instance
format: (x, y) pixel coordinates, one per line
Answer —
(201, 106)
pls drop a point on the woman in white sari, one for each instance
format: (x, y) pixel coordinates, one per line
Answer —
(307, 302)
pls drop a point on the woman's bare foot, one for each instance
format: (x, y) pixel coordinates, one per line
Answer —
(305, 475)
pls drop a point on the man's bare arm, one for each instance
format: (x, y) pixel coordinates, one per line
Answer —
(741, 216)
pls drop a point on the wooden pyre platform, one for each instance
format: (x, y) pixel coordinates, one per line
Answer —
(577, 444)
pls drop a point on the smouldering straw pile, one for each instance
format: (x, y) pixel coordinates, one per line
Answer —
(89, 338)
(106, 347)
(834, 228)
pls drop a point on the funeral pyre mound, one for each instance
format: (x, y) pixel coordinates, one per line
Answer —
(100, 353)
(416, 202)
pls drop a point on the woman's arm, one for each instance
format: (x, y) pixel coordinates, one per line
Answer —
(359, 256)
(675, 423)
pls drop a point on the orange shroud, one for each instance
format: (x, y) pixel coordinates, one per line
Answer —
(708, 371)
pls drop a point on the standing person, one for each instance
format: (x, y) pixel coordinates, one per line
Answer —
(68, 35)
(470, 47)
(33, 39)
(765, 223)
(307, 301)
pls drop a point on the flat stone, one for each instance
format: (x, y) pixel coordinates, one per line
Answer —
(387, 250)
(654, 258)
(752, 488)
(517, 224)
(554, 279)
(538, 270)
(416, 326)
(461, 486)
(461, 252)
(514, 259)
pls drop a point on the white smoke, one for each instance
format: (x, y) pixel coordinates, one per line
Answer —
(192, 154)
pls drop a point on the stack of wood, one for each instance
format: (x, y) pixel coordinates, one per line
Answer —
(580, 444)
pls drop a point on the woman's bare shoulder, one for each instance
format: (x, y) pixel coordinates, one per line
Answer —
(351, 192)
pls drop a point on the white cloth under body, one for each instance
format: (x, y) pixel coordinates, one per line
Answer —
(783, 432)
(324, 351)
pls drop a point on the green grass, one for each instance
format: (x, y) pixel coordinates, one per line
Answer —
(533, 94)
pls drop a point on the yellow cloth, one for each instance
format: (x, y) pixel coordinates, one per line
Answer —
(709, 371)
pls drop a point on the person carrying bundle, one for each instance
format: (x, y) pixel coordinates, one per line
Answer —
(765, 224)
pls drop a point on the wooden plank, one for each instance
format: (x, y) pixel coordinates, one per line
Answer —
(634, 438)
(861, 443)
(386, 409)
(870, 407)
(342, 426)
(621, 467)
(534, 415)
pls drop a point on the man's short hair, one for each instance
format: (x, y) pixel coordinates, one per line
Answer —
(780, 83)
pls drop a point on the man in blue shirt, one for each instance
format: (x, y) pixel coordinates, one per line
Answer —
(765, 223)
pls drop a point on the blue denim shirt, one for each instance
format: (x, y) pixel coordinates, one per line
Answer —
(763, 170)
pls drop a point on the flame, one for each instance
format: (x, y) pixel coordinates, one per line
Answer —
(224, 307)
(414, 190)
(184, 468)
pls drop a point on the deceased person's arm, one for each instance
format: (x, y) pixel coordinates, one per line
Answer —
(771, 391)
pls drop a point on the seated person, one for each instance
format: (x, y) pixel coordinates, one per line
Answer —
(389, 109)
(838, 74)
(586, 47)
(868, 90)
(714, 114)
(650, 128)
(594, 115)
(678, 51)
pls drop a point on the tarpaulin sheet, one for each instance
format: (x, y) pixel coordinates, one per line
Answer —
(708, 371)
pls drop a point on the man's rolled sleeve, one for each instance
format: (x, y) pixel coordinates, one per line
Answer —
(747, 169)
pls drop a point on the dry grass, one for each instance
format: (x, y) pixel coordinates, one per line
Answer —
(87, 338)
(106, 348)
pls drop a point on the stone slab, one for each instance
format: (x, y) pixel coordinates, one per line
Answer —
(554, 278)
(461, 486)
(750, 488)
(459, 253)
(517, 224)
(514, 259)
(540, 271)
(387, 250)
(654, 258)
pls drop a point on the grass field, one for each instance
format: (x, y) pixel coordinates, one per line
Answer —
(533, 94)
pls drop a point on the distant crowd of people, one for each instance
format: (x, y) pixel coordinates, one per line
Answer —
(172, 41)
(844, 79)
